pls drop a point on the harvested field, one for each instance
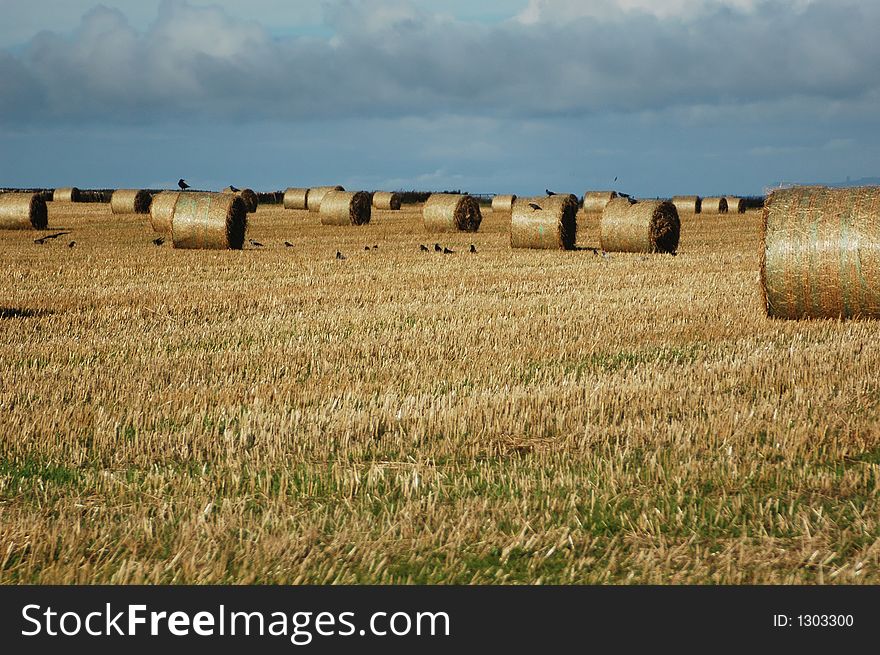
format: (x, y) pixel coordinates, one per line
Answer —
(274, 415)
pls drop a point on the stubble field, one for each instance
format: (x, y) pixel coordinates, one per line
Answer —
(277, 416)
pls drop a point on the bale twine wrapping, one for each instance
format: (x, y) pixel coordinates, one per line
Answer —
(346, 208)
(821, 254)
(66, 194)
(130, 201)
(648, 226)
(316, 194)
(450, 212)
(23, 211)
(386, 200)
(595, 201)
(735, 205)
(215, 221)
(161, 211)
(687, 204)
(553, 226)
(713, 206)
(503, 204)
(296, 198)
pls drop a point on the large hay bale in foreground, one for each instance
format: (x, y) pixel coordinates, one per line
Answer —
(296, 198)
(23, 211)
(450, 212)
(316, 194)
(215, 221)
(346, 208)
(162, 210)
(713, 206)
(389, 200)
(687, 204)
(821, 255)
(66, 194)
(503, 204)
(735, 205)
(647, 226)
(595, 201)
(553, 226)
(130, 201)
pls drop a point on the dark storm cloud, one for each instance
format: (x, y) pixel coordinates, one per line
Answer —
(388, 58)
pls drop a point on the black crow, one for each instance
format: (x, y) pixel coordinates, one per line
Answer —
(473, 248)
(549, 192)
(615, 178)
(447, 251)
(288, 244)
(256, 244)
(42, 240)
(71, 244)
(437, 248)
(339, 255)
(182, 184)
(233, 189)
(534, 206)
(423, 247)
(158, 241)
(375, 247)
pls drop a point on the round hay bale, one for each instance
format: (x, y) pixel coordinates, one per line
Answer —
(162, 210)
(647, 226)
(595, 201)
(215, 221)
(66, 194)
(713, 206)
(296, 198)
(503, 204)
(687, 204)
(316, 194)
(821, 254)
(346, 208)
(735, 205)
(130, 201)
(386, 200)
(251, 199)
(553, 226)
(23, 211)
(450, 212)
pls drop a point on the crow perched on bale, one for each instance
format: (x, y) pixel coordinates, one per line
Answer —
(534, 206)
(182, 184)
(549, 192)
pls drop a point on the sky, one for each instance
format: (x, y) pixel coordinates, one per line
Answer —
(668, 96)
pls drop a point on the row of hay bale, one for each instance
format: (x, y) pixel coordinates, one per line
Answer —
(711, 205)
(312, 198)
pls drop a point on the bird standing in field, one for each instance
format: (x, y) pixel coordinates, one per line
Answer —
(182, 184)
(448, 251)
(71, 244)
(473, 248)
(534, 206)
(287, 244)
(339, 255)
(42, 240)
(254, 243)
(367, 248)
(549, 192)
(158, 241)
(423, 247)
(438, 247)
(375, 247)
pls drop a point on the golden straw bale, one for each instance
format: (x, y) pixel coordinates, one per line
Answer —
(316, 194)
(503, 204)
(735, 205)
(389, 200)
(687, 204)
(296, 198)
(130, 201)
(23, 211)
(66, 194)
(162, 210)
(595, 201)
(548, 222)
(346, 208)
(713, 206)
(450, 212)
(647, 226)
(821, 253)
(215, 221)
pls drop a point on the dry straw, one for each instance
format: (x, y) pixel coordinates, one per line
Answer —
(162, 210)
(23, 211)
(296, 198)
(687, 204)
(548, 222)
(130, 201)
(595, 201)
(503, 204)
(215, 221)
(647, 226)
(387, 200)
(713, 206)
(316, 194)
(346, 208)
(449, 212)
(66, 194)
(821, 255)
(735, 205)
